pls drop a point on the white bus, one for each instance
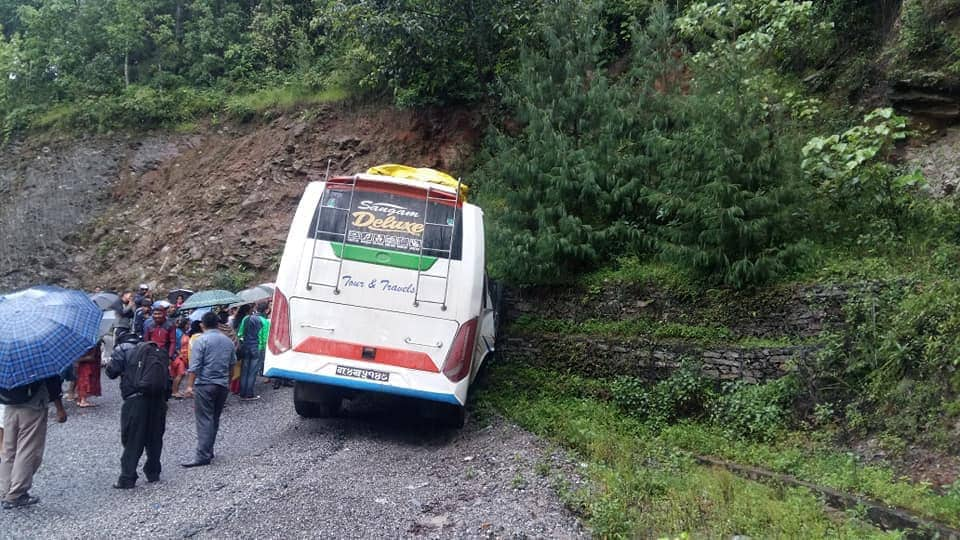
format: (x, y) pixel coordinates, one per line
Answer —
(382, 288)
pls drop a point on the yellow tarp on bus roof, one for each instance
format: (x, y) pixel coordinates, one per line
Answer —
(422, 174)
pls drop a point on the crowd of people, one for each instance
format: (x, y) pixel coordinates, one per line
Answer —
(159, 352)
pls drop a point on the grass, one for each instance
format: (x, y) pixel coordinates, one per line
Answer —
(640, 486)
(801, 455)
(935, 255)
(58, 115)
(144, 107)
(630, 270)
(929, 249)
(649, 328)
(286, 98)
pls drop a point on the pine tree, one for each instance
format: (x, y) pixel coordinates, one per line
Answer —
(568, 190)
(729, 199)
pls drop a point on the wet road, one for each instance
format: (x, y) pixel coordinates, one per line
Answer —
(377, 472)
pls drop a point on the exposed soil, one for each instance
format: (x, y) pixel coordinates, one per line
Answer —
(171, 210)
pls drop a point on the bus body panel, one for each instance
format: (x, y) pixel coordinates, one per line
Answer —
(353, 322)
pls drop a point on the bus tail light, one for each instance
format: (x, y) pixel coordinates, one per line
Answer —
(459, 358)
(279, 338)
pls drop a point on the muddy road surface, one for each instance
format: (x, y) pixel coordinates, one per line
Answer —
(376, 472)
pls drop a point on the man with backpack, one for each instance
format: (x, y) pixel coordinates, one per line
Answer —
(144, 371)
(25, 437)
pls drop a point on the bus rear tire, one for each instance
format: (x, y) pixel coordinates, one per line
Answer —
(312, 400)
(455, 416)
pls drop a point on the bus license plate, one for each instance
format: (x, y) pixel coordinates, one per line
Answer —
(366, 374)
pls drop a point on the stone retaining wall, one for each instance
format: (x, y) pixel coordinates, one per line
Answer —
(798, 312)
(802, 311)
(611, 357)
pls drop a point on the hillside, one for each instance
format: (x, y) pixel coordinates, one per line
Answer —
(728, 229)
(182, 209)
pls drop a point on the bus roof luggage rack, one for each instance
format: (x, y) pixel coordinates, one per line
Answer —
(341, 236)
(448, 252)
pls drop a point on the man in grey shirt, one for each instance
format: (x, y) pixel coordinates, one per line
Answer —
(208, 381)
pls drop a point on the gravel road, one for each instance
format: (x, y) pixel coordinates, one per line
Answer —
(377, 472)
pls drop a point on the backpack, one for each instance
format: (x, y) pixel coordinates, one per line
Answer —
(20, 394)
(152, 368)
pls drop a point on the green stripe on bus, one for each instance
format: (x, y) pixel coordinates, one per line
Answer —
(383, 257)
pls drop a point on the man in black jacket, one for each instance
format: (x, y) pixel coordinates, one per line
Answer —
(143, 418)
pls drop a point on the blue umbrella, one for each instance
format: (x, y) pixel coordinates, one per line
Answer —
(198, 313)
(42, 330)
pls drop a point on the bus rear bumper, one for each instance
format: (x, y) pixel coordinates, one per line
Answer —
(362, 385)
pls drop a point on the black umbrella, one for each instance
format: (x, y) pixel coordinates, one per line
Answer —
(105, 300)
(172, 295)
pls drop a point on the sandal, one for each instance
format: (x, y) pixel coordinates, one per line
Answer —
(86, 404)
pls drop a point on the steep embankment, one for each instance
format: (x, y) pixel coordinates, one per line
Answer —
(174, 209)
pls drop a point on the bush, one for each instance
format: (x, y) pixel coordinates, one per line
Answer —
(232, 279)
(730, 199)
(853, 172)
(428, 53)
(919, 34)
(684, 394)
(138, 106)
(896, 366)
(754, 411)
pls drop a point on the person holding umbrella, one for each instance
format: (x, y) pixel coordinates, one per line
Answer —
(42, 330)
(25, 438)
(126, 310)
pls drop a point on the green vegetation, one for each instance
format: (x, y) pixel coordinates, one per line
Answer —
(894, 372)
(629, 270)
(707, 148)
(644, 328)
(700, 178)
(925, 42)
(804, 455)
(232, 279)
(641, 469)
(642, 484)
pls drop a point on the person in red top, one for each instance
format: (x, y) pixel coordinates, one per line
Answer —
(161, 331)
(179, 365)
(88, 375)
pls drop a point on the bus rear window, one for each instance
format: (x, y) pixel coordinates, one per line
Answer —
(387, 220)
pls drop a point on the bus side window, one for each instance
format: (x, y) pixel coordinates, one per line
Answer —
(330, 219)
(436, 239)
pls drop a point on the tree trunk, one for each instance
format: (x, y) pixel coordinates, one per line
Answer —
(126, 68)
(889, 12)
(178, 25)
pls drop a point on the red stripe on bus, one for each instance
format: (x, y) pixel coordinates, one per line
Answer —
(354, 351)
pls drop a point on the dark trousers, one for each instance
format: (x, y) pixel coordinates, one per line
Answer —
(249, 370)
(142, 423)
(208, 401)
